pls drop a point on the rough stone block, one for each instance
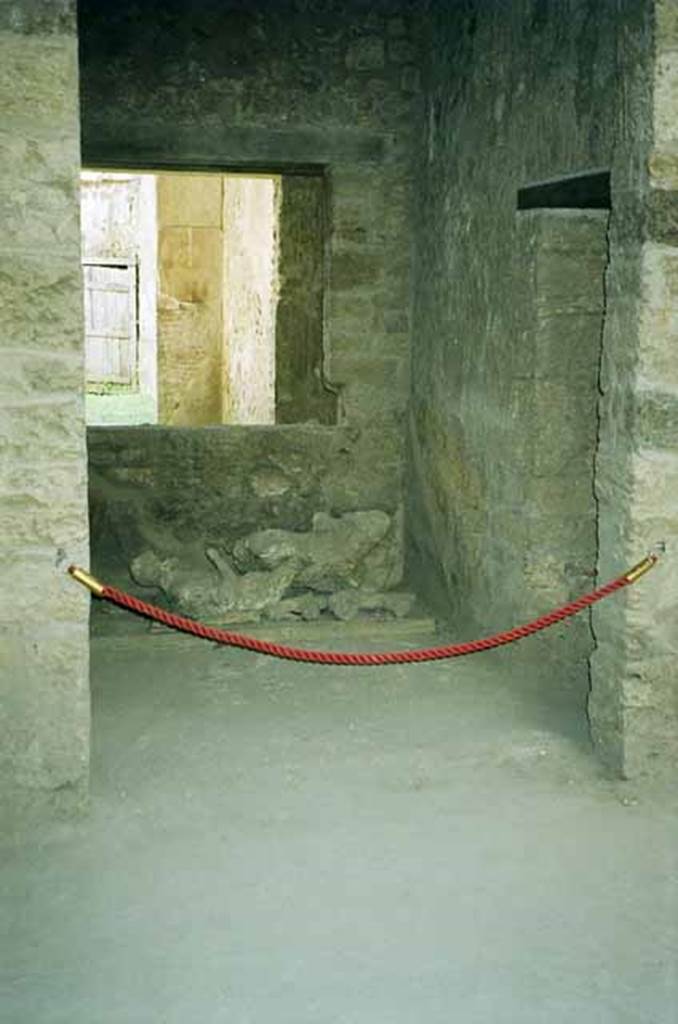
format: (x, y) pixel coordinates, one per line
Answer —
(40, 215)
(45, 431)
(656, 419)
(650, 743)
(356, 269)
(666, 99)
(663, 170)
(32, 374)
(662, 214)
(666, 15)
(39, 294)
(410, 80)
(396, 27)
(44, 705)
(366, 54)
(43, 504)
(401, 51)
(38, 17)
(190, 200)
(659, 276)
(57, 599)
(38, 81)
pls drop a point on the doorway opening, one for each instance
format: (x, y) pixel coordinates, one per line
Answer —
(204, 298)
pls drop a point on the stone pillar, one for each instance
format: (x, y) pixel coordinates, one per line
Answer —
(44, 684)
(190, 297)
(634, 696)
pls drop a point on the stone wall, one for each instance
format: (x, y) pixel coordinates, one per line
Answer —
(519, 93)
(634, 705)
(177, 490)
(277, 86)
(44, 703)
(282, 86)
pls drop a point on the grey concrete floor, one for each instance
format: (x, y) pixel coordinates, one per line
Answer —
(272, 843)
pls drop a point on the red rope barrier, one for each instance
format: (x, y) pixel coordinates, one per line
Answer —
(223, 636)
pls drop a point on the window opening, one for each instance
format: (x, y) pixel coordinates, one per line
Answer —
(204, 298)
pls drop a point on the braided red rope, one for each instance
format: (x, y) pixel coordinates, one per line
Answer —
(223, 636)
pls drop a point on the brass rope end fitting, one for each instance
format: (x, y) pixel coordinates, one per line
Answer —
(639, 570)
(87, 580)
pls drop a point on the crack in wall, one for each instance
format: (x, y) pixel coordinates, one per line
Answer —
(595, 458)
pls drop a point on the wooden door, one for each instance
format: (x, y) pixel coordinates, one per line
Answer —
(111, 326)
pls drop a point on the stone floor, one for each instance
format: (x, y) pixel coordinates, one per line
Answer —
(272, 843)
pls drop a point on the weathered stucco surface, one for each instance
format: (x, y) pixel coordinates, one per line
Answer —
(546, 497)
(518, 93)
(44, 686)
(514, 93)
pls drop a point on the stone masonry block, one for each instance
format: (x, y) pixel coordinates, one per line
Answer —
(43, 504)
(33, 373)
(188, 258)
(663, 168)
(401, 51)
(662, 215)
(656, 419)
(374, 389)
(38, 81)
(40, 301)
(356, 270)
(190, 200)
(666, 24)
(666, 99)
(58, 599)
(38, 17)
(366, 54)
(40, 216)
(660, 276)
(44, 705)
(396, 28)
(41, 432)
(650, 743)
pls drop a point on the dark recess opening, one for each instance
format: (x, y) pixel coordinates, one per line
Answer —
(587, 191)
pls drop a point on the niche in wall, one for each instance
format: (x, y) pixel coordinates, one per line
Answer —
(204, 298)
(587, 190)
